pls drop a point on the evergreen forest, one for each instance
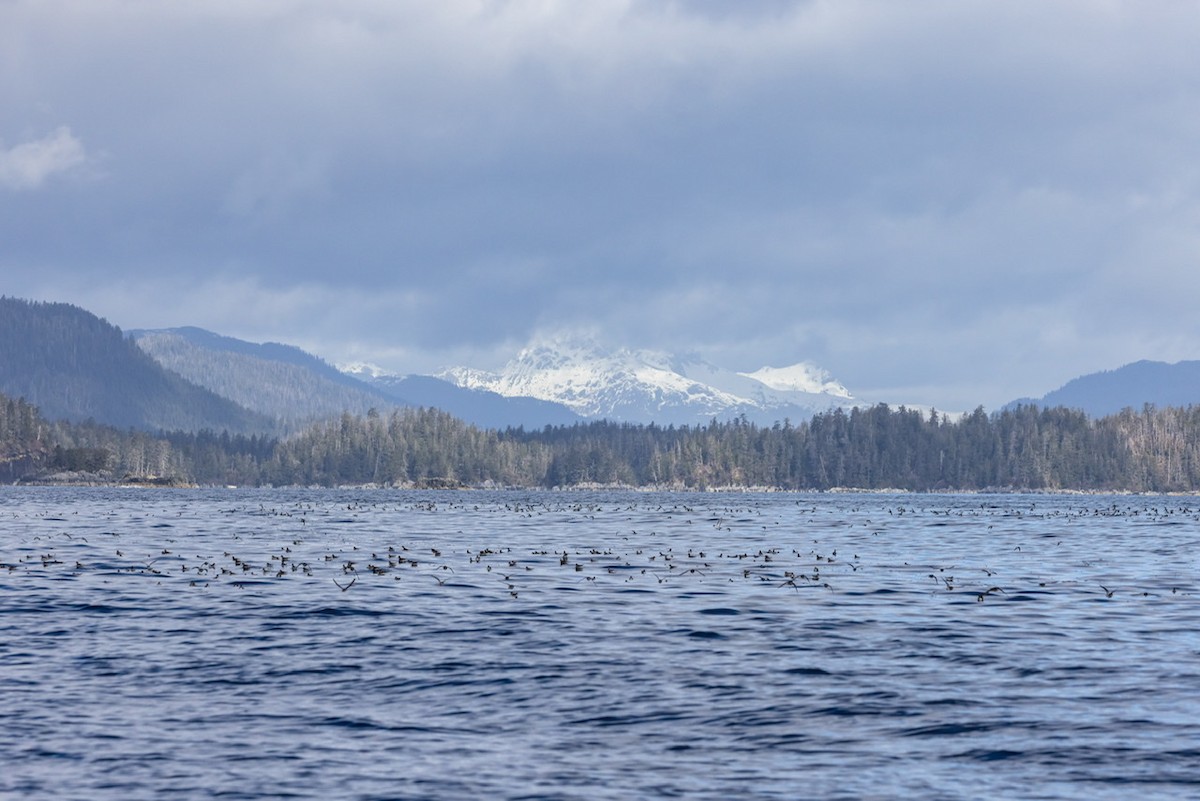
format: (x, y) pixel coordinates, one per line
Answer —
(1026, 448)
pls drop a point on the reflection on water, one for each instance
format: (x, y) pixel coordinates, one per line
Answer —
(378, 644)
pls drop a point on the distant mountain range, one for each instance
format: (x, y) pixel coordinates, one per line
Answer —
(295, 388)
(1131, 386)
(644, 386)
(75, 366)
(280, 382)
(479, 407)
(551, 383)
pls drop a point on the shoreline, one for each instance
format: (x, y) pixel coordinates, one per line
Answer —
(77, 480)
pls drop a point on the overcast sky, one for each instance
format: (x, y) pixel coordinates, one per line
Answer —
(947, 203)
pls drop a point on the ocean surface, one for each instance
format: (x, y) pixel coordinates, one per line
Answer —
(378, 644)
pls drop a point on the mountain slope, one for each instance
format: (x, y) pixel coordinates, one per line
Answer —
(478, 407)
(74, 365)
(296, 388)
(643, 386)
(1131, 386)
(279, 381)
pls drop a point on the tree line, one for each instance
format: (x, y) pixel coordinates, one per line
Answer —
(1026, 448)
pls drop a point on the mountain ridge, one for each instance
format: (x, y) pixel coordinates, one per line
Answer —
(479, 407)
(1130, 386)
(282, 382)
(76, 366)
(296, 388)
(644, 386)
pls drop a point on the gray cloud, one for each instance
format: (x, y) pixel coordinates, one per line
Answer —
(939, 202)
(29, 164)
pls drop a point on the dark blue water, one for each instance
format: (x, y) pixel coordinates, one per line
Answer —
(243, 644)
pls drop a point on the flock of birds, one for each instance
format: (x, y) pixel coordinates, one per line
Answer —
(346, 546)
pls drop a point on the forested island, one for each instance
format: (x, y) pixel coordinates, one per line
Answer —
(1026, 448)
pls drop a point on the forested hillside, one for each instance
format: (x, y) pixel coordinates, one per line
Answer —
(276, 381)
(75, 366)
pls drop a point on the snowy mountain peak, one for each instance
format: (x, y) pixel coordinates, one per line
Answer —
(363, 370)
(654, 386)
(801, 377)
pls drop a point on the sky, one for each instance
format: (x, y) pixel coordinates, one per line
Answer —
(940, 202)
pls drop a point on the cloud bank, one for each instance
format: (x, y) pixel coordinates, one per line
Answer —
(29, 164)
(940, 203)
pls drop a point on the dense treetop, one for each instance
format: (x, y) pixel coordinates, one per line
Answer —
(871, 448)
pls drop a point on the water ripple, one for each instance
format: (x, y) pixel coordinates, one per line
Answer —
(364, 645)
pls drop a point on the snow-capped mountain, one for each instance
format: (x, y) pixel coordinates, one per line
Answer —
(803, 377)
(643, 386)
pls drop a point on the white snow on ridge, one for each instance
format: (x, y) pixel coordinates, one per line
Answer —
(653, 386)
(802, 377)
(624, 384)
(469, 378)
(359, 369)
